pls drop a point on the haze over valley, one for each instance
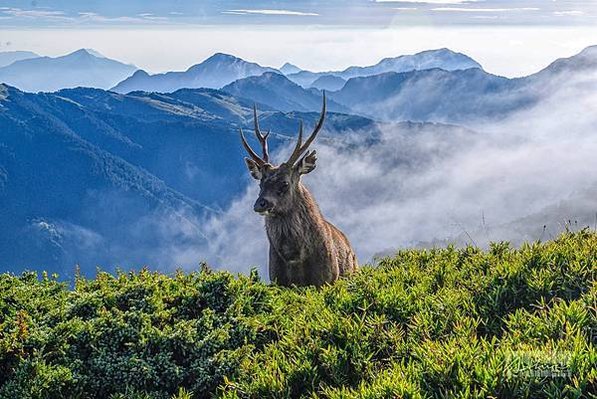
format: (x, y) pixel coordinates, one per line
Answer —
(108, 165)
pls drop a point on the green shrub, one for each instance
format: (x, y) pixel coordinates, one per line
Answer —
(439, 323)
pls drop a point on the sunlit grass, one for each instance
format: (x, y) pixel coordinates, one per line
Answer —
(439, 323)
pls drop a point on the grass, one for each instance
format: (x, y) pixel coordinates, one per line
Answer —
(440, 323)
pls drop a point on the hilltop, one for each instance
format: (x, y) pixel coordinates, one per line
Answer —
(423, 323)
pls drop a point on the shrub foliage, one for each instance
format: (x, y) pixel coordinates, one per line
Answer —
(439, 323)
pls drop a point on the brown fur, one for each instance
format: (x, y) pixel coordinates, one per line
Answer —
(306, 249)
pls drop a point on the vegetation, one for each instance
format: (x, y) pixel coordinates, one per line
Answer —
(442, 323)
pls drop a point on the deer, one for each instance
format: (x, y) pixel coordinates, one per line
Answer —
(304, 248)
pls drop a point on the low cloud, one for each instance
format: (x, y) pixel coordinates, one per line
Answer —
(425, 184)
(414, 185)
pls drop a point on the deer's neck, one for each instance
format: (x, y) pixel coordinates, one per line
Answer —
(302, 226)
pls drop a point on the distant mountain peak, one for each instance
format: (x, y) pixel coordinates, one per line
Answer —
(79, 68)
(222, 57)
(277, 91)
(80, 53)
(585, 60)
(215, 72)
(264, 80)
(8, 57)
(461, 59)
(271, 75)
(86, 53)
(3, 91)
(446, 51)
(224, 60)
(289, 68)
(329, 83)
(139, 73)
(442, 58)
(438, 50)
(95, 53)
(590, 51)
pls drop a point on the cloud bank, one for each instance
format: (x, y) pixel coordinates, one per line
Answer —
(420, 185)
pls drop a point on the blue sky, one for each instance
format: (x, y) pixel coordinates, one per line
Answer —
(43, 13)
(508, 37)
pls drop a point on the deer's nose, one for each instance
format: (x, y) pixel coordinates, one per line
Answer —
(262, 205)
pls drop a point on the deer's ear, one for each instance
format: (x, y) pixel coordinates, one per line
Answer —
(306, 163)
(254, 169)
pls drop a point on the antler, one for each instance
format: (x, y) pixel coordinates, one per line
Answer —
(300, 147)
(262, 140)
(261, 137)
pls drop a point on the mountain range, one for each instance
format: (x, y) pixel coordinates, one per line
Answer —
(96, 177)
(80, 68)
(88, 68)
(458, 92)
(289, 68)
(87, 174)
(460, 96)
(215, 72)
(431, 59)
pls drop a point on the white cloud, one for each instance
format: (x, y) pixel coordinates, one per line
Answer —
(463, 9)
(95, 17)
(271, 12)
(427, 1)
(573, 13)
(411, 188)
(98, 18)
(62, 17)
(35, 14)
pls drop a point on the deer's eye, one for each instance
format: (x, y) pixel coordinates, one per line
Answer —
(283, 187)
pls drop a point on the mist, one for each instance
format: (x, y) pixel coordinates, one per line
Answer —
(524, 178)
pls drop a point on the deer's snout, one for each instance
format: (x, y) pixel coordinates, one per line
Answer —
(262, 205)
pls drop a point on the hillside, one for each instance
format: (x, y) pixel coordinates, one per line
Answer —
(466, 96)
(93, 177)
(449, 96)
(423, 324)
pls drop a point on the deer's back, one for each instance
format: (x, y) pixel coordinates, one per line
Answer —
(346, 258)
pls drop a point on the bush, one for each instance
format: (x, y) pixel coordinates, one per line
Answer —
(441, 323)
